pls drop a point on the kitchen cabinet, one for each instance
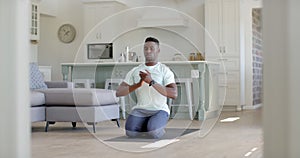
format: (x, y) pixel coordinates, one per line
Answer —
(222, 44)
(222, 23)
(35, 22)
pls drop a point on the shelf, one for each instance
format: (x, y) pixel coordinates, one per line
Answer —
(100, 1)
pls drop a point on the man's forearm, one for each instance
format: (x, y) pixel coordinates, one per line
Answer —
(125, 89)
(169, 91)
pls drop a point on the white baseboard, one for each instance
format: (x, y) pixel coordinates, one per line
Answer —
(240, 108)
(252, 107)
(229, 108)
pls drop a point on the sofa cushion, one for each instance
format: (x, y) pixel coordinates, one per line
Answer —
(38, 113)
(37, 98)
(59, 84)
(79, 97)
(36, 78)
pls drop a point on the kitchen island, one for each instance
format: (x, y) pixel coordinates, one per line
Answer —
(203, 76)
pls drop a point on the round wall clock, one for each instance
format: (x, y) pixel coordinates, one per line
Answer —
(66, 33)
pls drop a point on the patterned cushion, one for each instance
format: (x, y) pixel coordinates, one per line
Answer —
(36, 78)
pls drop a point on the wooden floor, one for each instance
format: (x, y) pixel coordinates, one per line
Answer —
(215, 139)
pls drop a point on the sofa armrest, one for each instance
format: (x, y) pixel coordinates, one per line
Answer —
(59, 84)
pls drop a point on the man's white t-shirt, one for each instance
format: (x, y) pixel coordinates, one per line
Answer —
(147, 97)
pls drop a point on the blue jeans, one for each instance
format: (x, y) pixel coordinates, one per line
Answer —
(146, 123)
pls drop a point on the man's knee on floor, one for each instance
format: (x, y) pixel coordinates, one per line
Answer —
(132, 133)
(156, 134)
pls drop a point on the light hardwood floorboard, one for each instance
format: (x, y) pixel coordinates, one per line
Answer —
(225, 140)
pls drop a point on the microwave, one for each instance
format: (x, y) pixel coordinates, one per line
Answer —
(100, 51)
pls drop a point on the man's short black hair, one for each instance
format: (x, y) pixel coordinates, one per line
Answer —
(152, 39)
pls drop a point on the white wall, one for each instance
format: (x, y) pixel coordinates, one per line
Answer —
(293, 25)
(171, 43)
(33, 52)
(14, 95)
(124, 31)
(49, 7)
(281, 78)
(52, 52)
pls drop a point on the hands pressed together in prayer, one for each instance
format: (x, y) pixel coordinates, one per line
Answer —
(145, 76)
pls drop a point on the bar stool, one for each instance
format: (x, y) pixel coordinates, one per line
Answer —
(188, 88)
(109, 85)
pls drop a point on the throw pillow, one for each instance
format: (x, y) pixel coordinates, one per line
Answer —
(36, 78)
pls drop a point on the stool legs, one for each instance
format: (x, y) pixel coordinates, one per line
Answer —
(122, 100)
(188, 87)
(189, 99)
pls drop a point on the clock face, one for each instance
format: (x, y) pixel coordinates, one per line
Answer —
(66, 33)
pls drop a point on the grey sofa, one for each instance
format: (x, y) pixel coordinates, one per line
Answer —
(38, 109)
(60, 102)
(37, 100)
